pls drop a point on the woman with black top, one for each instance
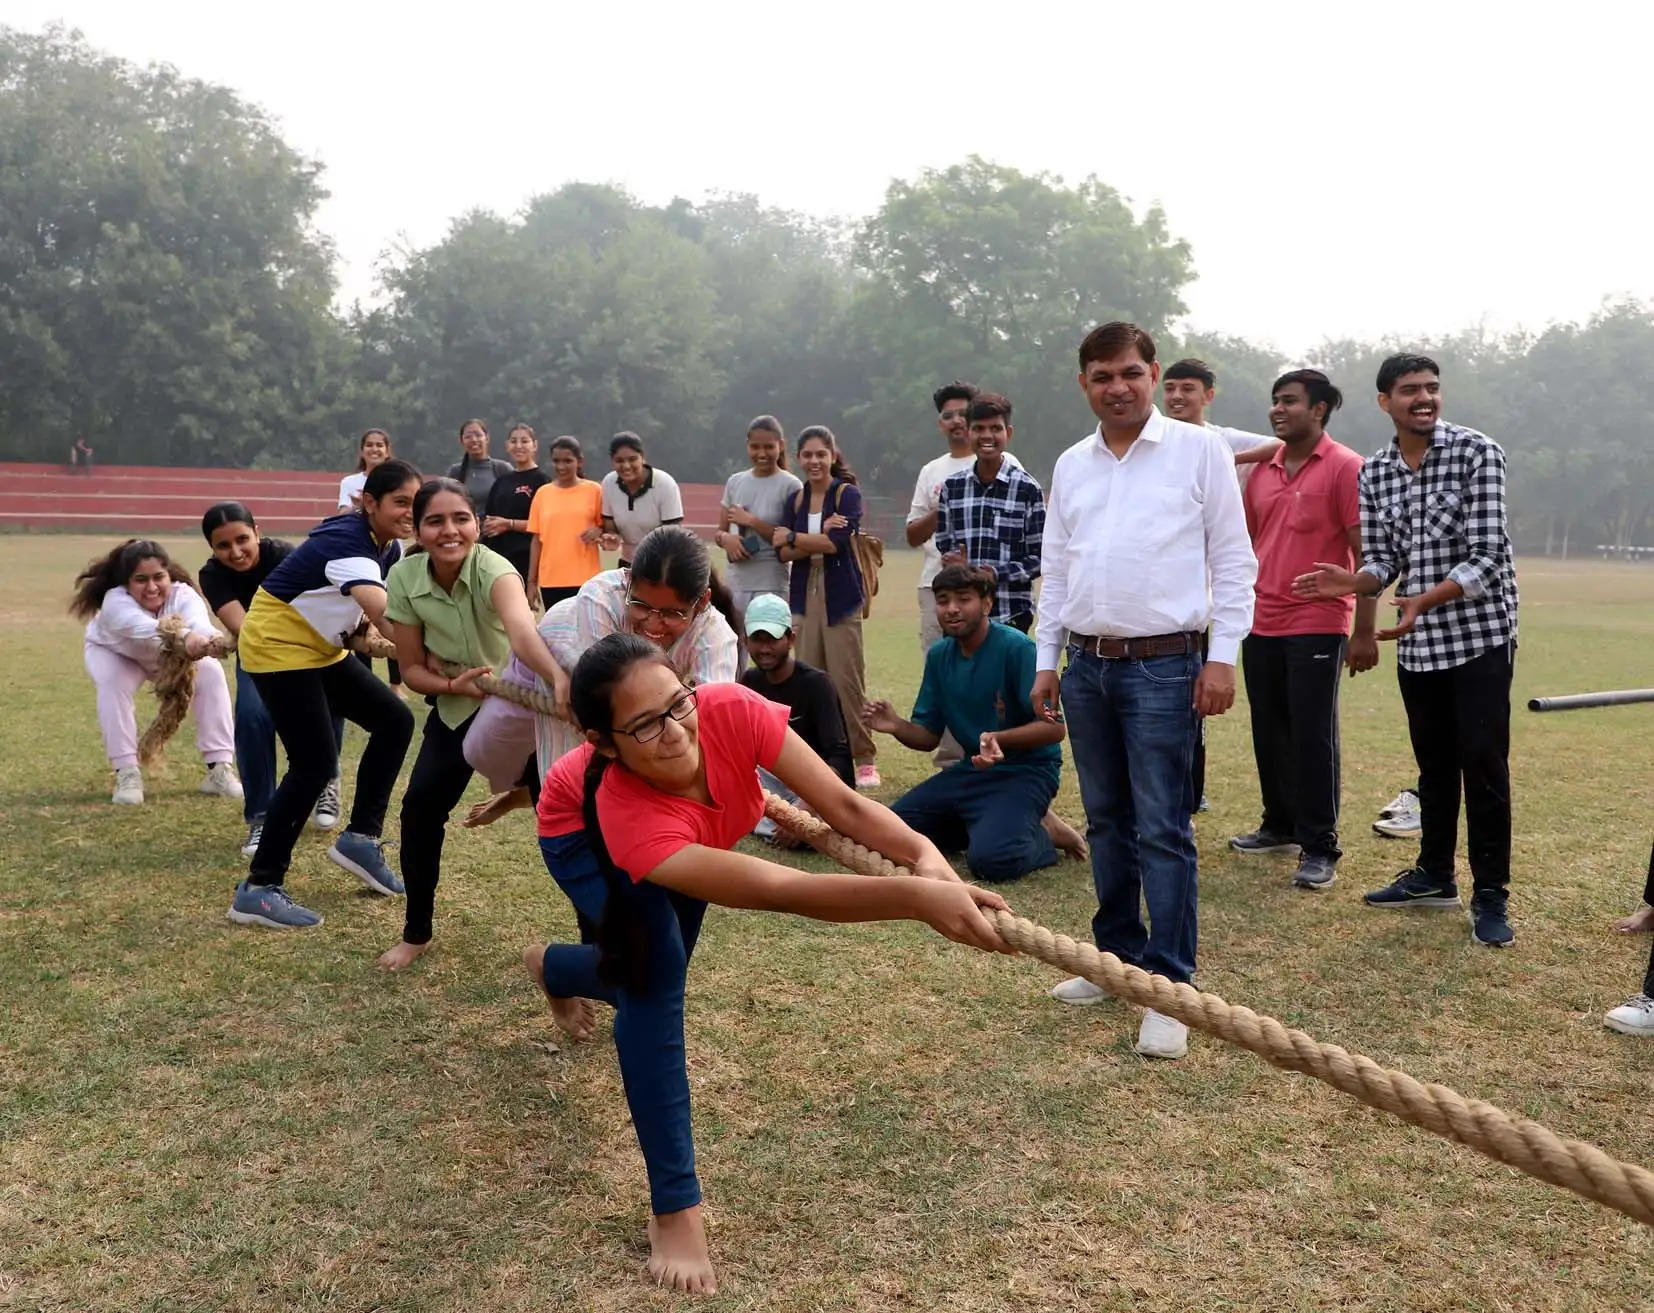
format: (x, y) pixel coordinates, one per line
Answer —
(505, 512)
(240, 562)
(477, 470)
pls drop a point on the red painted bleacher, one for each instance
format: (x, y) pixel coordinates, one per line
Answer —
(156, 499)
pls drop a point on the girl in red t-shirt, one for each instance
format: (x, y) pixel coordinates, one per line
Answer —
(635, 827)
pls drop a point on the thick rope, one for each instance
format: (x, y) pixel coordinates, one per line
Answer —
(174, 687)
(1514, 1141)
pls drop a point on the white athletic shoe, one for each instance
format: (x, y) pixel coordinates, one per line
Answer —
(129, 786)
(1402, 818)
(1080, 992)
(1635, 1016)
(326, 815)
(221, 781)
(1161, 1036)
(255, 832)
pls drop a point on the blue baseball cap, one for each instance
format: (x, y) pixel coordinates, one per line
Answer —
(768, 614)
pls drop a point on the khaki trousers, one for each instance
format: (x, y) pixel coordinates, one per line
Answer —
(837, 650)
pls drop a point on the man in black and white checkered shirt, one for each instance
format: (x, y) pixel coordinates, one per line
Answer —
(1433, 516)
(992, 515)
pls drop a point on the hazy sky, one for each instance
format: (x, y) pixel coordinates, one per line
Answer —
(1339, 169)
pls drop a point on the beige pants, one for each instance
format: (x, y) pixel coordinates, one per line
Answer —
(930, 633)
(837, 650)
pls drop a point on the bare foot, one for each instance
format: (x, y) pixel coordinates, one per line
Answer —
(1640, 922)
(404, 954)
(575, 1017)
(1066, 837)
(677, 1252)
(501, 804)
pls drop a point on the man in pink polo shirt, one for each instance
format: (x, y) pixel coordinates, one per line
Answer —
(1302, 506)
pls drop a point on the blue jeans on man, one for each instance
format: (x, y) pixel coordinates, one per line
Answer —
(993, 815)
(1132, 729)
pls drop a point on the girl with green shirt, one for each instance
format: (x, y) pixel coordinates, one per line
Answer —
(458, 603)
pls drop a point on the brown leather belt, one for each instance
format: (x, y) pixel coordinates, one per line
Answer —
(1136, 649)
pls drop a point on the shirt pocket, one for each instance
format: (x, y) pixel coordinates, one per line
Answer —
(1166, 518)
(1442, 514)
(1009, 525)
(1308, 512)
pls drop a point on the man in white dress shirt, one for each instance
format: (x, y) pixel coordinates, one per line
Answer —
(1145, 546)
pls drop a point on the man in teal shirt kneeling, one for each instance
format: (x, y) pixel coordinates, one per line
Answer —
(993, 804)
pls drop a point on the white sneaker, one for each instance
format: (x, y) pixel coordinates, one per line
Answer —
(1079, 991)
(129, 786)
(1161, 1036)
(221, 781)
(1635, 1016)
(1402, 818)
(326, 815)
(255, 832)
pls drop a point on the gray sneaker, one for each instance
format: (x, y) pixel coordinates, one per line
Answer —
(1315, 872)
(255, 832)
(364, 857)
(269, 906)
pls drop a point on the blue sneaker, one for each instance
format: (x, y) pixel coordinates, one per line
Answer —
(1413, 888)
(269, 906)
(364, 857)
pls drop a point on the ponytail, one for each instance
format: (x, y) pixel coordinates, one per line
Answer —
(622, 936)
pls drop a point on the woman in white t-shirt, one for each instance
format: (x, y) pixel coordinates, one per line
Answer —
(374, 449)
(637, 498)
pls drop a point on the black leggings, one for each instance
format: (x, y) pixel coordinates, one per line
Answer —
(549, 597)
(1648, 897)
(393, 672)
(439, 779)
(302, 705)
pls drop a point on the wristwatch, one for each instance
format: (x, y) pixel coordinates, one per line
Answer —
(792, 537)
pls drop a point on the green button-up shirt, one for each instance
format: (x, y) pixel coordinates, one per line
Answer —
(459, 624)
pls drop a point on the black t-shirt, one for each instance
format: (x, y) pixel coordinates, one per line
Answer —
(220, 584)
(816, 715)
(510, 497)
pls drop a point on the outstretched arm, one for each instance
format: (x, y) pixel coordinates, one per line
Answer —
(730, 879)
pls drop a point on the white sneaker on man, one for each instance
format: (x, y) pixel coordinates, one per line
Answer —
(129, 786)
(1635, 1016)
(221, 781)
(1402, 818)
(1161, 1036)
(1080, 992)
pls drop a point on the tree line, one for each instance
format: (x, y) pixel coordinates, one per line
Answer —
(165, 295)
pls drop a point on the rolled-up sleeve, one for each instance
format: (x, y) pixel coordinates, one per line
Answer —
(1230, 563)
(1484, 524)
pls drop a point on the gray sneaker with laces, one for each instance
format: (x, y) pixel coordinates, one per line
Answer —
(255, 832)
(326, 815)
(270, 907)
(364, 857)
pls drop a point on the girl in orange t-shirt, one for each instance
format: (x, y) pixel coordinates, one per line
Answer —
(566, 519)
(636, 827)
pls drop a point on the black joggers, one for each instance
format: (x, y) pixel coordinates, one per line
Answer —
(1459, 721)
(302, 705)
(1292, 691)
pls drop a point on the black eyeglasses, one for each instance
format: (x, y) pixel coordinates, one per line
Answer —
(654, 727)
(641, 611)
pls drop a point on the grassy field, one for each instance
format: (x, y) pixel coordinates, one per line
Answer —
(199, 1116)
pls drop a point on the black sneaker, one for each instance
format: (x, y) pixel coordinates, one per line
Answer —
(1413, 888)
(1315, 872)
(1262, 841)
(1487, 920)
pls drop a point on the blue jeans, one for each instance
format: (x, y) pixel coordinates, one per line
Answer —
(993, 814)
(648, 1023)
(255, 746)
(1133, 728)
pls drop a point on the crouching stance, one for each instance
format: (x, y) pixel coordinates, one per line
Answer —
(994, 804)
(635, 827)
(125, 595)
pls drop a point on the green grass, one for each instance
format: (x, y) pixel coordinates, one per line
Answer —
(196, 1116)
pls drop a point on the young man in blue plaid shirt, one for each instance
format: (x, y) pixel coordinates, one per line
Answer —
(992, 515)
(1433, 516)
